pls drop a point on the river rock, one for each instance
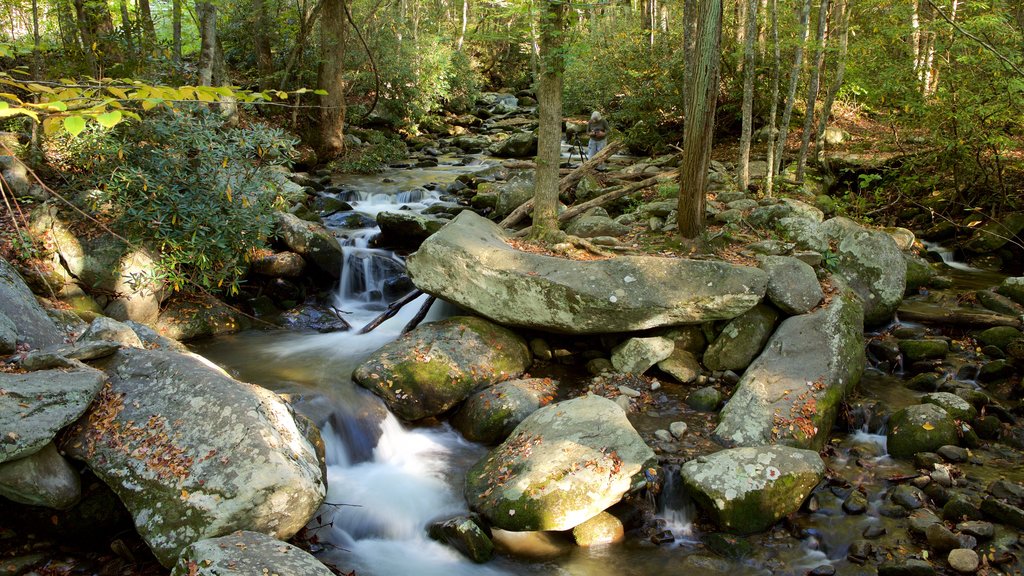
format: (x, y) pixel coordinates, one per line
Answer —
(964, 560)
(43, 478)
(998, 303)
(593, 226)
(490, 415)
(920, 428)
(791, 392)
(920, 273)
(563, 465)
(8, 335)
(407, 229)
(33, 326)
(279, 265)
(1003, 512)
(637, 355)
(195, 454)
(188, 317)
(465, 534)
(923, 349)
(600, 530)
(906, 567)
(312, 241)
(792, 284)
(681, 365)
(994, 235)
(872, 265)
(431, 369)
(954, 405)
(470, 264)
(471, 144)
(34, 406)
(741, 340)
(518, 145)
(704, 399)
(246, 553)
(998, 336)
(1013, 288)
(104, 329)
(513, 193)
(746, 490)
(806, 234)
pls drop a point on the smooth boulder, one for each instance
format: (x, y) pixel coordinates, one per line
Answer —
(872, 264)
(920, 428)
(490, 415)
(791, 393)
(434, 367)
(563, 465)
(746, 490)
(312, 241)
(470, 264)
(741, 340)
(43, 478)
(194, 453)
(246, 553)
(792, 284)
(18, 303)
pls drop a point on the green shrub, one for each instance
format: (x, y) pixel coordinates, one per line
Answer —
(182, 183)
(379, 151)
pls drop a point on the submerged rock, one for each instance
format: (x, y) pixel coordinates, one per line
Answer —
(431, 369)
(561, 466)
(195, 454)
(791, 393)
(470, 264)
(746, 490)
(247, 553)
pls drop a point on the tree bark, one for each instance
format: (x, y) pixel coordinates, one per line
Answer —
(126, 27)
(689, 45)
(148, 29)
(794, 81)
(549, 103)
(837, 82)
(305, 25)
(700, 120)
(747, 111)
(261, 39)
(769, 179)
(812, 90)
(176, 29)
(207, 14)
(332, 79)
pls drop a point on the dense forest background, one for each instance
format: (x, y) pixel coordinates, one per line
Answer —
(931, 90)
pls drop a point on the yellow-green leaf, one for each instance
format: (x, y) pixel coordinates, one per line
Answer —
(150, 103)
(118, 92)
(74, 125)
(928, 426)
(51, 125)
(10, 96)
(7, 112)
(110, 119)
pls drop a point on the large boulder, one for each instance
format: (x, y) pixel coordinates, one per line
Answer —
(312, 241)
(188, 317)
(246, 553)
(513, 193)
(34, 406)
(994, 235)
(920, 428)
(637, 355)
(490, 415)
(563, 465)
(791, 393)
(43, 478)
(871, 263)
(470, 264)
(194, 453)
(792, 284)
(406, 228)
(746, 490)
(32, 324)
(741, 340)
(431, 369)
(518, 145)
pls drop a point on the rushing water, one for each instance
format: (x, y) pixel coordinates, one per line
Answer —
(387, 482)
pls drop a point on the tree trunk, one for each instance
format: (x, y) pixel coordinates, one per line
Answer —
(207, 14)
(700, 120)
(812, 90)
(176, 29)
(96, 27)
(305, 25)
(769, 179)
(332, 79)
(549, 103)
(689, 44)
(148, 29)
(126, 27)
(747, 112)
(794, 81)
(465, 23)
(261, 39)
(837, 82)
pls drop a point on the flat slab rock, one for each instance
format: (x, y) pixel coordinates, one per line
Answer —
(34, 406)
(470, 264)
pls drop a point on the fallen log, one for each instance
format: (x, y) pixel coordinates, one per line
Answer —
(956, 317)
(613, 193)
(564, 184)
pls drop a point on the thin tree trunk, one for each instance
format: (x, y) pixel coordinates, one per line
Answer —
(549, 102)
(332, 79)
(915, 35)
(769, 180)
(300, 42)
(689, 45)
(126, 27)
(812, 90)
(700, 120)
(747, 112)
(176, 29)
(261, 39)
(148, 29)
(207, 14)
(794, 81)
(837, 82)
(465, 23)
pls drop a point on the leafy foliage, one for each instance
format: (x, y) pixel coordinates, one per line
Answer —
(379, 150)
(197, 192)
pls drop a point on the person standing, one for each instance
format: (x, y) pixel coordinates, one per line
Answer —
(597, 129)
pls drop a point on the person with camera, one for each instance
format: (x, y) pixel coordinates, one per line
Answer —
(597, 129)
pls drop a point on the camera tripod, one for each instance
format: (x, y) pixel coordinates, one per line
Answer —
(578, 148)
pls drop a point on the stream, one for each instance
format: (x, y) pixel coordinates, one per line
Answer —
(388, 480)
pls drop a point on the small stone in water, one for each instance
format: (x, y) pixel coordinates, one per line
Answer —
(953, 453)
(977, 528)
(627, 391)
(964, 560)
(874, 531)
(663, 537)
(663, 435)
(823, 570)
(678, 429)
(855, 503)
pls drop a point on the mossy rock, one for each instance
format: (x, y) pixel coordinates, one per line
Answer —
(490, 415)
(954, 405)
(465, 534)
(915, 350)
(920, 428)
(999, 336)
(431, 369)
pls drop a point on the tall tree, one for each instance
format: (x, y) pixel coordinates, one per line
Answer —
(700, 119)
(747, 110)
(206, 11)
(549, 102)
(332, 79)
(176, 29)
(261, 41)
(769, 179)
(148, 29)
(794, 81)
(812, 90)
(843, 8)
